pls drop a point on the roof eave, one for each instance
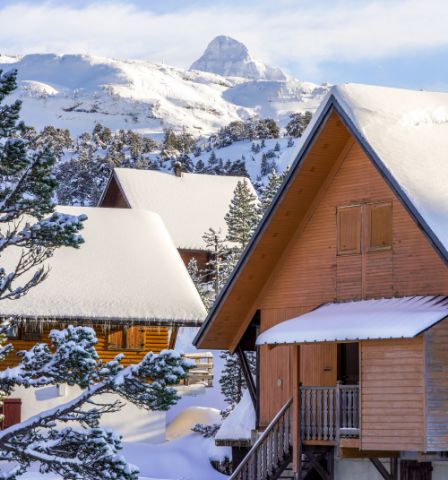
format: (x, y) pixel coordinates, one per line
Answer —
(168, 322)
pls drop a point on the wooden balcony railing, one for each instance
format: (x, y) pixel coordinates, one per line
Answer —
(327, 413)
(272, 450)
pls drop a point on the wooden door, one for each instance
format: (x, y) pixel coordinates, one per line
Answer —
(319, 365)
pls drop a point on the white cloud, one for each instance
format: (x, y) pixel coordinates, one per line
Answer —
(303, 33)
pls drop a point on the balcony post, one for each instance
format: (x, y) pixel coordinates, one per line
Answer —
(338, 413)
(296, 432)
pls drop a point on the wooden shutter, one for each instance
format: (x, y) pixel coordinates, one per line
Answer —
(135, 338)
(11, 410)
(349, 230)
(380, 226)
(115, 340)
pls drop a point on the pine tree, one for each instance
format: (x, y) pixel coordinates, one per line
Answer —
(27, 186)
(242, 217)
(198, 279)
(220, 264)
(237, 168)
(67, 440)
(232, 381)
(199, 167)
(297, 123)
(269, 191)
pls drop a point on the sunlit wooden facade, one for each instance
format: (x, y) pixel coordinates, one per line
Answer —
(339, 231)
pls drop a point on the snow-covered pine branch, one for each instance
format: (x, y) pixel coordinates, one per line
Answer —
(67, 440)
(27, 186)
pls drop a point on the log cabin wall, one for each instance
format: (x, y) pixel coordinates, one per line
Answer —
(309, 273)
(436, 379)
(156, 339)
(392, 395)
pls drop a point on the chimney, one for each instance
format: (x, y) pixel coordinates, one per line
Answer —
(177, 169)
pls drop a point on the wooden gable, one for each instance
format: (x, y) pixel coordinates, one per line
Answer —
(294, 263)
(113, 196)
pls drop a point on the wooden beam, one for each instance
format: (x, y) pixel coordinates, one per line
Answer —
(173, 337)
(247, 375)
(393, 475)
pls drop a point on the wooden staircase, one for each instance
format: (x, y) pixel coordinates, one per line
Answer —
(271, 455)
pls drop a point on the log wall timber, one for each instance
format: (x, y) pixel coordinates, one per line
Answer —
(392, 395)
(308, 271)
(436, 379)
(156, 339)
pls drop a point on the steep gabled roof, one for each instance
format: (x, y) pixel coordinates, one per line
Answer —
(189, 205)
(404, 133)
(128, 269)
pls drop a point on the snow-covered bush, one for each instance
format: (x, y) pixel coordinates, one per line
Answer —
(67, 440)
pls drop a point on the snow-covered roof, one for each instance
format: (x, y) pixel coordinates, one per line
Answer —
(407, 130)
(239, 424)
(127, 269)
(360, 320)
(189, 205)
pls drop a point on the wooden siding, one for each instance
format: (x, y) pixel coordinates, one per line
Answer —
(113, 196)
(156, 339)
(309, 272)
(436, 379)
(392, 395)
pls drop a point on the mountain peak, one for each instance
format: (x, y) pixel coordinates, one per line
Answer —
(228, 57)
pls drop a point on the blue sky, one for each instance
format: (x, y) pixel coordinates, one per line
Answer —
(388, 42)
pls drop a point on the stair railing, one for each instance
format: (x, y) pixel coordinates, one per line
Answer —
(271, 449)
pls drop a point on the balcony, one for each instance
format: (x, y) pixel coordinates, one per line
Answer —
(329, 413)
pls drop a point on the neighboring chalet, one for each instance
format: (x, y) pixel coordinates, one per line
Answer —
(342, 292)
(189, 203)
(127, 281)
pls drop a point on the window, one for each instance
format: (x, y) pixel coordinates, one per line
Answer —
(369, 224)
(129, 338)
(380, 226)
(349, 230)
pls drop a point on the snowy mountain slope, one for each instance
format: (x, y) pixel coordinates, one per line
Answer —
(78, 91)
(229, 57)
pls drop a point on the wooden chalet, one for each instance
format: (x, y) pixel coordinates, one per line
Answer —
(127, 281)
(189, 203)
(342, 293)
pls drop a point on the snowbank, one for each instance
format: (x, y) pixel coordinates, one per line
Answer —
(188, 418)
(240, 423)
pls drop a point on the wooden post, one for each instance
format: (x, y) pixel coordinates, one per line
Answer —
(296, 424)
(338, 415)
(247, 376)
